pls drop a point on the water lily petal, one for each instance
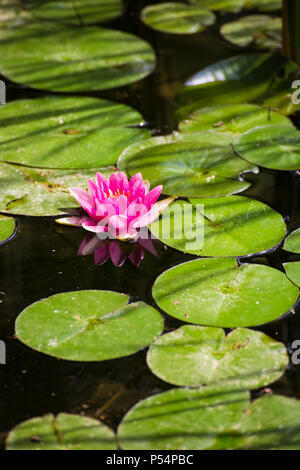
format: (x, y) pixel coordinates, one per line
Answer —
(137, 255)
(89, 246)
(84, 199)
(94, 227)
(102, 183)
(75, 221)
(153, 195)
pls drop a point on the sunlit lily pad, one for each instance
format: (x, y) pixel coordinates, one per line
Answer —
(228, 226)
(272, 422)
(177, 18)
(88, 325)
(292, 242)
(196, 164)
(7, 227)
(260, 31)
(292, 270)
(59, 58)
(259, 78)
(218, 292)
(61, 432)
(231, 119)
(234, 6)
(75, 11)
(208, 418)
(271, 147)
(69, 132)
(40, 192)
(183, 419)
(196, 355)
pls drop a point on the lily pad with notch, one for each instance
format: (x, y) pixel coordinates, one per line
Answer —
(195, 355)
(64, 132)
(7, 228)
(61, 432)
(198, 164)
(91, 325)
(219, 292)
(58, 58)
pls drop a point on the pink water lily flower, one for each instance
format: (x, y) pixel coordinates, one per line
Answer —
(117, 207)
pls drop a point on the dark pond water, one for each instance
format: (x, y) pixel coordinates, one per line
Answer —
(41, 260)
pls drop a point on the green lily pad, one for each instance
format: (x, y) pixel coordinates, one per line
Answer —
(40, 192)
(248, 78)
(88, 325)
(177, 18)
(234, 6)
(57, 132)
(7, 227)
(183, 419)
(75, 11)
(61, 432)
(273, 146)
(292, 270)
(58, 58)
(218, 292)
(272, 422)
(231, 119)
(228, 226)
(197, 355)
(207, 166)
(292, 242)
(260, 31)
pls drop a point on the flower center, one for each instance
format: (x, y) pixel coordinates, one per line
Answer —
(117, 194)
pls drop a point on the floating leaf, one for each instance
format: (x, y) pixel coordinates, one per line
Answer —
(7, 227)
(272, 422)
(196, 355)
(88, 325)
(177, 18)
(183, 419)
(59, 58)
(248, 78)
(207, 166)
(292, 242)
(228, 226)
(231, 119)
(218, 292)
(292, 270)
(75, 11)
(260, 31)
(234, 6)
(271, 147)
(40, 192)
(61, 432)
(69, 132)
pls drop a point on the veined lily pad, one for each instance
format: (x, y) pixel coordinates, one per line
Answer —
(248, 78)
(272, 422)
(292, 270)
(234, 6)
(69, 132)
(7, 227)
(40, 192)
(196, 355)
(292, 242)
(218, 292)
(75, 11)
(88, 325)
(183, 419)
(261, 31)
(58, 58)
(271, 147)
(61, 432)
(231, 119)
(196, 165)
(177, 18)
(228, 226)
